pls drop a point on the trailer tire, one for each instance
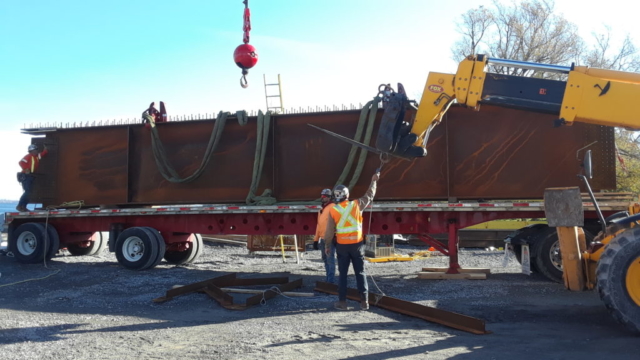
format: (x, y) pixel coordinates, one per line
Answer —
(136, 248)
(528, 235)
(162, 247)
(27, 243)
(188, 256)
(618, 278)
(548, 258)
(200, 249)
(98, 244)
(54, 241)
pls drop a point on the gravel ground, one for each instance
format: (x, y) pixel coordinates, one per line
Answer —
(91, 308)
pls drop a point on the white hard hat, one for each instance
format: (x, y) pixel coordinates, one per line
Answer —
(33, 147)
(341, 193)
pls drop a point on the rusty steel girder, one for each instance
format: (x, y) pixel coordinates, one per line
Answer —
(495, 153)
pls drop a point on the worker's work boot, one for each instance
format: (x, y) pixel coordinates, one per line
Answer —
(364, 305)
(341, 305)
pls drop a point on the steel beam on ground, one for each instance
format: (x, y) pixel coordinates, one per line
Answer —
(439, 316)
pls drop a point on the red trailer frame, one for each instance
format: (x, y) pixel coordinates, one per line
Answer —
(177, 223)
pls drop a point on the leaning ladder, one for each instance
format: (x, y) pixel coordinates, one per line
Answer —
(267, 94)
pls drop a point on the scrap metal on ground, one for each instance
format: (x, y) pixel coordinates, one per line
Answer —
(439, 316)
(214, 288)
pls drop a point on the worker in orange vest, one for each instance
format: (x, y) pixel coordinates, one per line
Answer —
(320, 242)
(345, 223)
(29, 165)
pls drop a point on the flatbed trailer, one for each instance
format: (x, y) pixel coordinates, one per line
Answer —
(142, 237)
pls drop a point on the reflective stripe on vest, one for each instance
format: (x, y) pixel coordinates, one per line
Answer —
(349, 226)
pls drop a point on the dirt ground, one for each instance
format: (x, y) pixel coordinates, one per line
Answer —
(92, 308)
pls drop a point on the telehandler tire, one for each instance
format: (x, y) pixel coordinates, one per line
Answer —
(618, 278)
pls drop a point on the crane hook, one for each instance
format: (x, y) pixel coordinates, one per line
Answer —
(243, 82)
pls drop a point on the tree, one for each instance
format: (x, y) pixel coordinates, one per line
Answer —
(473, 28)
(624, 59)
(528, 31)
(628, 166)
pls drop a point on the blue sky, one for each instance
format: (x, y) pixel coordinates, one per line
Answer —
(78, 61)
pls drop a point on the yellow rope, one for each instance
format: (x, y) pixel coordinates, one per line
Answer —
(24, 281)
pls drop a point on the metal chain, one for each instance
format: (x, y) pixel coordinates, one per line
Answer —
(247, 22)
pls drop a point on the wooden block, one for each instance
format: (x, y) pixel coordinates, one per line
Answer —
(465, 270)
(573, 271)
(442, 275)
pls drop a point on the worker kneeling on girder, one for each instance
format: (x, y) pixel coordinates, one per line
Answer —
(151, 115)
(345, 223)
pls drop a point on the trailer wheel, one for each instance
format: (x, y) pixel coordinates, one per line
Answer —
(618, 278)
(137, 248)
(28, 243)
(162, 247)
(53, 239)
(528, 235)
(187, 256)
(548, 258)
(93, 246)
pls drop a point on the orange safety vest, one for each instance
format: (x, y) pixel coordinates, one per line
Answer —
(348, 219)
(323, 218)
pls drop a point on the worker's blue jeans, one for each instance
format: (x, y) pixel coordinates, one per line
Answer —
(329, 260)
(27, 184)
(351, 253)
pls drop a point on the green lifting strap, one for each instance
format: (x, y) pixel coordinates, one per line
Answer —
(159, 152)
(368, 116)
(262, 138)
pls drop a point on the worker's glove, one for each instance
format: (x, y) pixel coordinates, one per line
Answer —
(315, 245)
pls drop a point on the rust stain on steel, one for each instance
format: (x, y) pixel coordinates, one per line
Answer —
(439, 316)
(87, 164)
(496, 153)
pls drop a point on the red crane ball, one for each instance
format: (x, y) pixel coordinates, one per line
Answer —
(245, 56)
